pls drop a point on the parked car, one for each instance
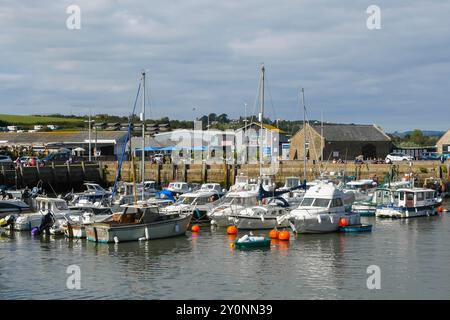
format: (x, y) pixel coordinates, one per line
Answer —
(57, 157)
(4, 160)
(393, 157)
(430, 156)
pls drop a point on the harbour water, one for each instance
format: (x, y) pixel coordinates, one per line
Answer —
(413, 256)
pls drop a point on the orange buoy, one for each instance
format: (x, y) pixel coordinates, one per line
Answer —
(273, 234)
(440, 209)
(343, 222)
(284, 235)
(232, 230)
(195, 228)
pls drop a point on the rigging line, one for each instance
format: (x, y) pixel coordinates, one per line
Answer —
(271, 100)
(255, 103)
(149, 100)
(128, 137)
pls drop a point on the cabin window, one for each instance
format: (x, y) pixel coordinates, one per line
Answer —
(307, 202)
(336, 202)
(410, 196)
(420, 196)
(322, 203)
(401, 196)
(61, 205)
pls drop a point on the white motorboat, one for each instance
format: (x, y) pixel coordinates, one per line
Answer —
(320, 211)
(199, 203)
(178, 188)
(362, 189)
(232, 203)
(139, 222)
(57, 207)
(262, 216)
(410, 203)
(214, 187)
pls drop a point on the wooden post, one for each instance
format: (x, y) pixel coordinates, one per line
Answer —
(174, 171)
(83, 169)
(227, 178)
(185, 172)
(69, 177)
(53, 175)
(3, 175)
(101, 172)
(38, 172)
(158, 174)
(204, 172)
(21, 176)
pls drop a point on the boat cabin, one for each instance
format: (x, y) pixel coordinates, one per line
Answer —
(53, 205)
(199, 198)
(324, 196)
(411, 198)
(291, 182)
(136, 213)
(94, 188)
(214, 187)
(179, 187)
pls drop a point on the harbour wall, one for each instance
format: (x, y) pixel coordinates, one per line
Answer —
(65, 177)
(225, 173)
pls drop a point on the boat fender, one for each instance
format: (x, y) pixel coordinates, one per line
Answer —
(177, 228)
(116, 240)
(319, 220)
(331, 219)
(146, 234)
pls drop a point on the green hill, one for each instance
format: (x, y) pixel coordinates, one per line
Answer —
(32, 120)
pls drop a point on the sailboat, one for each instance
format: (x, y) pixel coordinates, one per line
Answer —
(139, 221)
(263, 215)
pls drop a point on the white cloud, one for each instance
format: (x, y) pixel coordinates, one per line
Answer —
(207, 54)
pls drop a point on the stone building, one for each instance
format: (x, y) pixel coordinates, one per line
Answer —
(443, 144)
(340, 141)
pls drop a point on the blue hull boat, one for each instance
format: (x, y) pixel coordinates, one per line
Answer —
(357, 228)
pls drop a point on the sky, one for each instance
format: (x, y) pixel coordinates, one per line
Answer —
(207, 55)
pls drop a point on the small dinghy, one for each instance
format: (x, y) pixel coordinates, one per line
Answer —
(250, 242)
(356, 228)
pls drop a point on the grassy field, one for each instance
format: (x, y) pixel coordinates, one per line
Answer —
(29, 120)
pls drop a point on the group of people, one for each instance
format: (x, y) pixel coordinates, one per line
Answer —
(30, 162)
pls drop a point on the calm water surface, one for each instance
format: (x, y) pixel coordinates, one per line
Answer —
(413, 255)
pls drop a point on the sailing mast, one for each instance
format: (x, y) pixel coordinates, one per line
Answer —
(261, 115)
(304, 134)
(143, 135)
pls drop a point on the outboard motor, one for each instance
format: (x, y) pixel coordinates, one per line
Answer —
(46, 223)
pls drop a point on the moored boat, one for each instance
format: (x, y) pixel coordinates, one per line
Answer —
(410, 203)
(138, 222)
(320, 211)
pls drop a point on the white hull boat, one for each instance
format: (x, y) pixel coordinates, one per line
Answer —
(321, 211)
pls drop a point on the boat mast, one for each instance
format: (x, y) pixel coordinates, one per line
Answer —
(304, 134)
(261, 119)
(143, 134)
